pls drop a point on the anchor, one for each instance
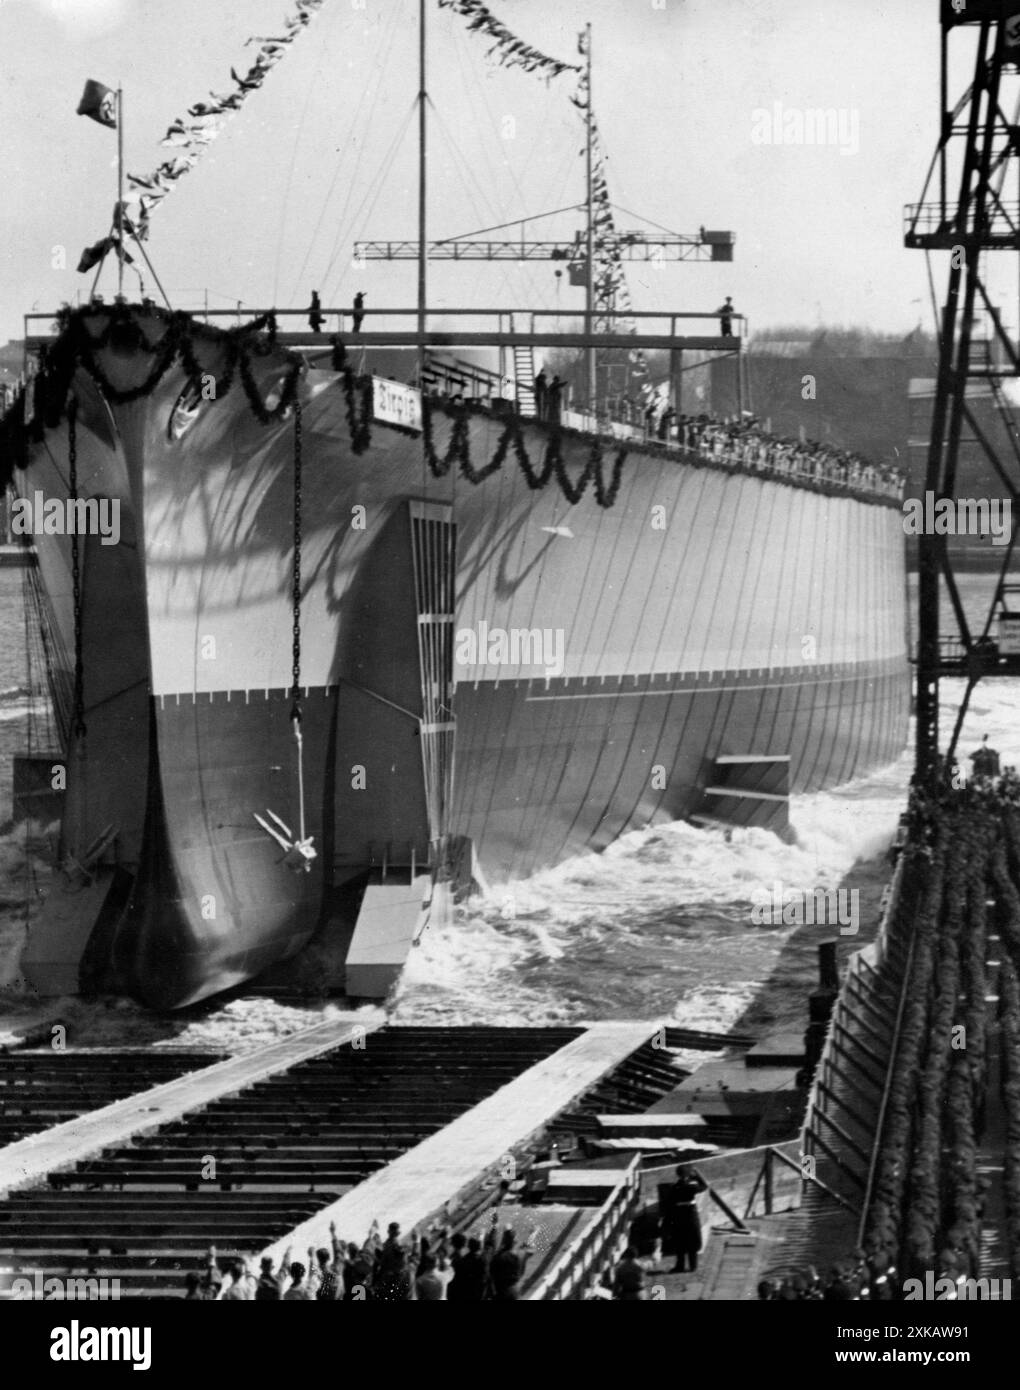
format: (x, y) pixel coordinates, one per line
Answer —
(297, 853)
(80, 872)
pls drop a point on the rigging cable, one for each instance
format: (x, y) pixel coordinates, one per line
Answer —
(373, 191)
(361, 144)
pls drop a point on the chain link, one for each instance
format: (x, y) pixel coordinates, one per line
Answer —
(295, 708)
(78, 722)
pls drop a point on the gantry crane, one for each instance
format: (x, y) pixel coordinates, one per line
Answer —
(973, 218)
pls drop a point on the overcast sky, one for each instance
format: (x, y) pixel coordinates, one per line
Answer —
(315, 158)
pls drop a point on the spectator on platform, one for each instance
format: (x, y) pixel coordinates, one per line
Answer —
(330, 1271)
(541, 389)
(434, 1280)
(267, 1286)
(391, 1278)
(471, 1274)
(241, 1288)
(197, 1288)
(681, 1221)
(359, 311)
(357, 1273)
(555, 400)
(645, 1232)
(726, 313)
(507, 1269)
(629, 1278)
(300, 1288)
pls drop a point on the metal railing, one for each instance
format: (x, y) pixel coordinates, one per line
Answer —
(504, 322)
(604, 1233)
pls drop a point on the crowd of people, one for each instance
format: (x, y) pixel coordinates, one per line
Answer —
(961, 891)
(853, 1280)
(439, 1267)
(742, 441)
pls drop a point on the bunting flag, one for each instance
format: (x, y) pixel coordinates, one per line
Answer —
(612, 293)
(511, 52)
(99, 103)
(93, 254)
(189, 137)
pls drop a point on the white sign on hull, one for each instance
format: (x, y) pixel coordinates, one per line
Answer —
(396, 404)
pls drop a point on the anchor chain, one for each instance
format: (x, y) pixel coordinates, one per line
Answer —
(78, 716)
(295, 691)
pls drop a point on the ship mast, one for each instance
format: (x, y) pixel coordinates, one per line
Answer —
(120, 193)
(423, 250)
(589, 279)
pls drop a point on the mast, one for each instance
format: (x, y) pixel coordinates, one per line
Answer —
(422, 156)
(589, 280)
(120, 192)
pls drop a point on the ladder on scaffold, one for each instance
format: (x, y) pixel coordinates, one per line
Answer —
(524, 376)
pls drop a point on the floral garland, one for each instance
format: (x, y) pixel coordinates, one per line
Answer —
(76, 345)
(458, 452)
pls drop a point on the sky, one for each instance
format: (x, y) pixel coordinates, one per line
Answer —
(325, 152)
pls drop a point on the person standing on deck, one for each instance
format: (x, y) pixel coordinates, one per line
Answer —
(681, 1219)
(541, 389)
(359, 311)
(726, 318)
(555, 400)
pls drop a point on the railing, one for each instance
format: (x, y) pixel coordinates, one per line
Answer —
(861, 973)
(566, 1278)
(504, 322)
(938, 220)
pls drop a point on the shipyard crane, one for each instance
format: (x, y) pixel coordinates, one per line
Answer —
(631, 246)
(658, 247)
(978, 147)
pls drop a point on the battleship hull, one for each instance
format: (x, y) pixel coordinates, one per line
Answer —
(485, 668)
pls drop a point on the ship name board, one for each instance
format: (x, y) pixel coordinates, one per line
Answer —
(396, 404)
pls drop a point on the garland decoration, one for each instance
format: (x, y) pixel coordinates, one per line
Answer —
(42, 402)
(458, 453)
(190, 138)
(360, 429)
(75, 345)
(511, 51)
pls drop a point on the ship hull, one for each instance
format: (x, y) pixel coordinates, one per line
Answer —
(484, 663)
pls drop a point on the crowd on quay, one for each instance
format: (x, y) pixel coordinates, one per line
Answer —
(853, 1280)
(438, 1267)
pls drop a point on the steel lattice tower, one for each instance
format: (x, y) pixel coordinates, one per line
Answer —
(979, 214)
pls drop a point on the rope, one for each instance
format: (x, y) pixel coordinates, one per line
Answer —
(78, 718)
